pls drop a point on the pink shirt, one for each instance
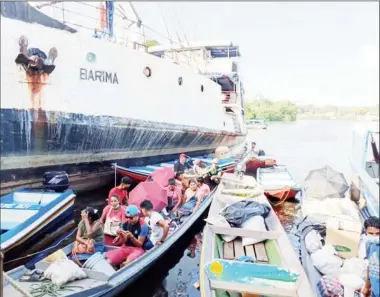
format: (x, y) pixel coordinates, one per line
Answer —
(175, 193)
(116, 215)
(205, 189)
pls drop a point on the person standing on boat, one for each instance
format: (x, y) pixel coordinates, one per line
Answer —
(156, 223)
(181, 165)
(256, 150)
(372, 284)
(121, 191)
(134, 238)
(112, 218)
(174, 194)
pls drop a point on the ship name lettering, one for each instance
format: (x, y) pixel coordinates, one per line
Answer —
(100, 76)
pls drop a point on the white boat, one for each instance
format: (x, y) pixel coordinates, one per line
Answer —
(80, 99)
(257, 124)
(365, 167)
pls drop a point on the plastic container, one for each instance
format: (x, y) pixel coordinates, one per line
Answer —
(98, 263)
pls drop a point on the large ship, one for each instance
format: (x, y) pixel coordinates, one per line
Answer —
(80, 89)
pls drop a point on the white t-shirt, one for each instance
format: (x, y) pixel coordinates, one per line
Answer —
(157, 231)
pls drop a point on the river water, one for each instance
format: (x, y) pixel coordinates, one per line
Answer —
(302, 146)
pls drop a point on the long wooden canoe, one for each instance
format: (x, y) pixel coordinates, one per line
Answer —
(277, 270)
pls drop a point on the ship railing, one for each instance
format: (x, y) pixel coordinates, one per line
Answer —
(229, 97)
(106, 35)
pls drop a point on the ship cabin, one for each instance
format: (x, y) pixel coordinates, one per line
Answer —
(218, 61)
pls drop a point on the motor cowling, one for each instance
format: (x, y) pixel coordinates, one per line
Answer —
(57, 181)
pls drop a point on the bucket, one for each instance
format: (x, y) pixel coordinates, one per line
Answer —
(98, 263)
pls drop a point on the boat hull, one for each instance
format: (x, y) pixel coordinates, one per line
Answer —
(29, 232)
(85, 145)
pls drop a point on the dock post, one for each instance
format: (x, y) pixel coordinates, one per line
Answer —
(115, 174)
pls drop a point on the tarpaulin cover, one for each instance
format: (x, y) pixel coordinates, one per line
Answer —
(236, 214)
(22, 11)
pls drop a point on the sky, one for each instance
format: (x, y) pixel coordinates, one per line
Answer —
(306, 52)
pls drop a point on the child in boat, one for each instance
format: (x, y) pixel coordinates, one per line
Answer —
(372, 228)
(156, 223)
(112, 218)
(174, 194)
(193, 198)
(133, 236)
(121, 190)
(90, 228)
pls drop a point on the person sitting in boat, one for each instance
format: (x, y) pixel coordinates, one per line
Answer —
(121, 190)
(181, 166)
(112, 218)
(198, 167)
(203, 187)
(174, 194)
(213, 172)
(90, 235)
(133, 236)
(372, 228)
(193, 198)
(256, 150)
(158, 225)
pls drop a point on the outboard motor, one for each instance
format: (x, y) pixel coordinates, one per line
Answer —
(57, 181)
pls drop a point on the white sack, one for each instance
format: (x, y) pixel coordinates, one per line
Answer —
(356, 267)
(255, 223)
(221, 221)
(351, 281)
(326, 261)
(63, 271)
(313, 241)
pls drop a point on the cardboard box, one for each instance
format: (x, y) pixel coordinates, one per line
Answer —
(344, 235)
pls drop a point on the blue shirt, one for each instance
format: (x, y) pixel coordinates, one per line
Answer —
(140, 229)
(372, 253)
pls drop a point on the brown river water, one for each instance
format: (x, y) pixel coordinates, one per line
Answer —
(302, 146)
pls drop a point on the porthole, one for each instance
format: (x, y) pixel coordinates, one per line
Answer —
(202, 88)
(147, 72)
(180, 80)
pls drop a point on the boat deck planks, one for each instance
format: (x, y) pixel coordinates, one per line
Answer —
(228, 250)
(261, 254)
(239, 249)
(250, 251)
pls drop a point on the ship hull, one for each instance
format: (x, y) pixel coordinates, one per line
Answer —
(35, 141)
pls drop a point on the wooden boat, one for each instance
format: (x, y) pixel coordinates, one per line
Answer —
(141, 173)
(28, 214)
(277, 271)
(278, 183)
(99, 283)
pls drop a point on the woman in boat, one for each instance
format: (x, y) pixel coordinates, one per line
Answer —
(204, 188)
(174, 194)
(193, 198)
(90, 235)
(112, 218)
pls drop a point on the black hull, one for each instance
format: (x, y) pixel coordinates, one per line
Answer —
(35, 141)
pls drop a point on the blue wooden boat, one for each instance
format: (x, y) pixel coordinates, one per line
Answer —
(141, 173)
(224, 269)
(99, 283)
(28, 214)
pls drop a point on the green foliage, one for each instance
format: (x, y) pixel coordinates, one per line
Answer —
(150, 43)
(271, 110)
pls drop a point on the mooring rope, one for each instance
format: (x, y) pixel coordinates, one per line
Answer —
(39, 252)
(50, 289)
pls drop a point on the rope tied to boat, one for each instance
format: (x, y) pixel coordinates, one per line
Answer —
(47, 288)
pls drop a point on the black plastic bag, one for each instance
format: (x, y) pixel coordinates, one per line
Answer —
(236, 214)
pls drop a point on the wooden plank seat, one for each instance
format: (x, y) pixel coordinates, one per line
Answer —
(234, 250)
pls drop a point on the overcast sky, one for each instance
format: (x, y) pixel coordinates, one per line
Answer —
(311, 52)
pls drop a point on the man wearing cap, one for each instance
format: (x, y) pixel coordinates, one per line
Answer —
(121, 191)
(180, 166)
(134, 236)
